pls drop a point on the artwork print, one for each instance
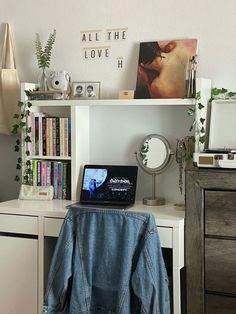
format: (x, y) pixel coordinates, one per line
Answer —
(162, 68)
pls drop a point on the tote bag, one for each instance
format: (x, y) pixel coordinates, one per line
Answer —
(9, 85)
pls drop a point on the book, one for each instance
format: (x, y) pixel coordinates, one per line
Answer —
(69, 136)
(36, 135)
(48, 172)
(55, 179)
(54, 153)
(39, 182)
(62, 139)
(34, 168)
(65, 137)
(44, 119)
(57, 136)
(43, 173)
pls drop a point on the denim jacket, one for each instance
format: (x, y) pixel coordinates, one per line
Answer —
(106, 262)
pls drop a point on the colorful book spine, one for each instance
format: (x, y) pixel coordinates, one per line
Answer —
(68, 181)
(66, 137)
(48, 172)
(50, 137)
(54, 136)
(59, 184)
(55, 179)
(41, 115)
(43, 173)
(36, 135)
(64, 180)
(47, 138)
(62, 141)
(34, 168)
(44, 119)
(69, 137)
(39, 182)
(57, 136)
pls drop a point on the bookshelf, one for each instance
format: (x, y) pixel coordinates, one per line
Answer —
(79, 113)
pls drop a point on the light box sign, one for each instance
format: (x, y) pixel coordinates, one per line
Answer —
(97, 43)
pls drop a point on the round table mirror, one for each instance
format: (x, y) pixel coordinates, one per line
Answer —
(154, 156)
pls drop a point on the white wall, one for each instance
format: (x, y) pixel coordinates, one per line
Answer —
(213, 23)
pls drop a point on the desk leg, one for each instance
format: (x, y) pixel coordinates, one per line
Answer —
(176, 291)
(178, 263)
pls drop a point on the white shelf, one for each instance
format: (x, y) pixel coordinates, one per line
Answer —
(50, 157)
(116, 102)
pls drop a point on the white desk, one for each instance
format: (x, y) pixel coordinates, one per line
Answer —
(44, 218)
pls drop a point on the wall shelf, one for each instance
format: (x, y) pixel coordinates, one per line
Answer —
(116, 102)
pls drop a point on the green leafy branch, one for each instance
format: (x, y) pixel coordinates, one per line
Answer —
(44, 55)
(21, 126)
(199, 125)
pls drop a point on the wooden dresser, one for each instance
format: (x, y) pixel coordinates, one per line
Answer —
(210, 239)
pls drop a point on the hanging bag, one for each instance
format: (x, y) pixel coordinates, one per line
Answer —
(9, 85)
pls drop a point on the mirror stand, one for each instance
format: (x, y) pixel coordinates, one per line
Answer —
(154, 156)
(153, 200)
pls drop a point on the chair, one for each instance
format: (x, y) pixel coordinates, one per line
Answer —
(107, 261)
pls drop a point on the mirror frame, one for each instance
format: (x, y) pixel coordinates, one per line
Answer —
(167, 160)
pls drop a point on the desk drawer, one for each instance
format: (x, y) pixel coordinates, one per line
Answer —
(220, 213)
(52, 226)
(165, 235)
(18, 224)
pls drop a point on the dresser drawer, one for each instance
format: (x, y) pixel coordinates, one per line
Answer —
(18, 224)
(52, 226)
(216, 304)
(220, 213)
(220, 261)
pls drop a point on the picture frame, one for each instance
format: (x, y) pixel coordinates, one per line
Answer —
(85, 90)
(166, 69)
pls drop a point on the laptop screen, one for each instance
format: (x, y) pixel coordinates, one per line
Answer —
(108, 185)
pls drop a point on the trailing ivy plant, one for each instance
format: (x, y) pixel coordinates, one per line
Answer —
(199, 125)
(21, 145)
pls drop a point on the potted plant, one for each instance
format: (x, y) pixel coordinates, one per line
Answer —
(44, 57)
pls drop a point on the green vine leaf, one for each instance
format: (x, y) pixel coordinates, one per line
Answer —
(17, 148)
(17, 178)
(191, 111)
(202, 139)
(231, 94)
(28, 163)
(202, 120)
(200, 106)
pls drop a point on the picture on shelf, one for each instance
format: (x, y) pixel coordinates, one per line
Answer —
(85, 90)
(162, 68)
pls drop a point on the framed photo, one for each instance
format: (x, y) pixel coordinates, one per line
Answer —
(85, 90)
(162, 68)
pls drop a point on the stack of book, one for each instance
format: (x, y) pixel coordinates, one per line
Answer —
(55, 173)
(50, 136)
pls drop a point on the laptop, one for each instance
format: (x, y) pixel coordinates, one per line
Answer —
(108, 186)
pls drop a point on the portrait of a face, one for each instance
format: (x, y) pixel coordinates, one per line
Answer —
(162, 68)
